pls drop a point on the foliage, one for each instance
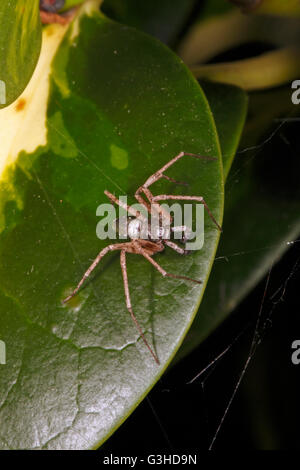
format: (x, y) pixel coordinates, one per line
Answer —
(105, 106)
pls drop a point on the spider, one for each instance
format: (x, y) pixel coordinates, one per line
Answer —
(155, 240)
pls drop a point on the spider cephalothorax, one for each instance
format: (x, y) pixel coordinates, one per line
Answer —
(155, 230)
(147, 239)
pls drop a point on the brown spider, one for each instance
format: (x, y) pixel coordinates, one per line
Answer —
(155, 241)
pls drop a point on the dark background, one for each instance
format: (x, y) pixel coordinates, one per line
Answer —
(178, 416)
(181, 417)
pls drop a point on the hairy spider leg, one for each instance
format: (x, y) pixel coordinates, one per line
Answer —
(126, 207)
(164, 197)
(147, 192)
(182, 183)
(117, 246)
(142, 201)
(133, 211)
(143, 252)
(175, 247)
(179, 228)
(155, 208)
(123, 247)
(128, 304)
(160, 174)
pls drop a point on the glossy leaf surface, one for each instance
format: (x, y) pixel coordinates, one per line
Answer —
(118, 105)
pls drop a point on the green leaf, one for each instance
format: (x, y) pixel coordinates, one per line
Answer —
(20, 43)
(229, 107)
(215, 8)
(289, 8)
(120, 105)
(160, 18)
(261, 216)
(71, 3)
